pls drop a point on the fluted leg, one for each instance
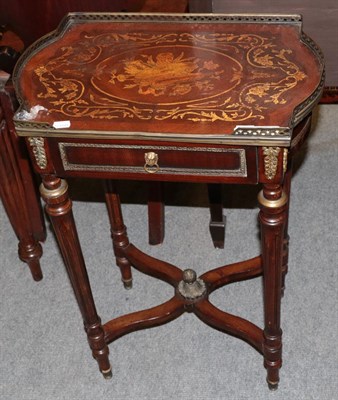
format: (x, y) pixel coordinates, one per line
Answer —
(18, 192)
(273, 202)
(59, 208)
(118, 231)
(286, 189)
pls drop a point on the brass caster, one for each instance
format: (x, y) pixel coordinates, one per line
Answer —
(273, 386)
(128, 283)
(107, 374)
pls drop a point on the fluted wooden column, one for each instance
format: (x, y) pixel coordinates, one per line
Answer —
(273, 205)
(59, 208)
(17, 187)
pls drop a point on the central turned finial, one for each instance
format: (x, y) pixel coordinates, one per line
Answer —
(190, 287)
(189, 276)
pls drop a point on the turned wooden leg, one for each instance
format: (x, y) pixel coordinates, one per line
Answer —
(273, 203)
(286, 189)
(18, 194)
(29, 248)
(30, 251)
(155, 213)
(59, 208)
(217, 219)
(118, 231)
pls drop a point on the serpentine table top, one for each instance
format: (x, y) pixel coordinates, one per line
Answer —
(178, 77)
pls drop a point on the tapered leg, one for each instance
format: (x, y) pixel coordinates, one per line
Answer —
(118, 231)
(59, 208)
(217, 219)
(155, 213)
(273, 202)
(286, 189)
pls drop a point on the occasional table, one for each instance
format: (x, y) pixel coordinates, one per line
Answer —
(206, 98)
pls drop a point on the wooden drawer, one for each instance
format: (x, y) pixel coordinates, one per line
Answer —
(167, 162)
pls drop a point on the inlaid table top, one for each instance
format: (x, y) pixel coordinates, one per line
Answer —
(200, 77)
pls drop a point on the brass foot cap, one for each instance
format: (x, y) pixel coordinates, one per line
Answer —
(273, 386)
(128, 283)
(107, 374)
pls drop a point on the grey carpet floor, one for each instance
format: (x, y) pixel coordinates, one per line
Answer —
(44, 351)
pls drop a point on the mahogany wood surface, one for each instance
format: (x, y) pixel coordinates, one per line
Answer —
(118, 231)
(151, 108)
(230, 324)
(188, 75)
(156, 213)
(272, 222)
(59, 209)
(149, 318)
(164, 6)
(236, 272)
(18, 190)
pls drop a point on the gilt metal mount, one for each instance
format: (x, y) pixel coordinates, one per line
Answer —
(190, 287)
(38, 149)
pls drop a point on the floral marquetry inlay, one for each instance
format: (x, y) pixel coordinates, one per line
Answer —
(167, 75)
(195, 77)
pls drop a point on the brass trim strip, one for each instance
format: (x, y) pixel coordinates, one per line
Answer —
(240, 172)
(254, 18)
(239, 139)
(272, 203)
(53, 193)
(303, 109)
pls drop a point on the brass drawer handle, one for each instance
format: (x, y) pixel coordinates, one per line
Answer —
(151, 164)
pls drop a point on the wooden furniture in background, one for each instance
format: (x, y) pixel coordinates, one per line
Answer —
(164, 6)
(33, 19)
(320, 22)
(18, 191)
(190, 98)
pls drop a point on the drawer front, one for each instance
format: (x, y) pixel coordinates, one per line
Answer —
(150, 161)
